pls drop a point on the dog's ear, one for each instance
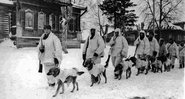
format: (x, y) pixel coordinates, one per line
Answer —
(56, 72)
(50, 72)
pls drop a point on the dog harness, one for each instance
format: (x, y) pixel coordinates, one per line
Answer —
(126, 65)
(65, 73)
(97, 69)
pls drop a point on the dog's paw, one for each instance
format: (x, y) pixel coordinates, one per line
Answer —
(61, 92)
(146, 73)
(72, 91)
(54, 95)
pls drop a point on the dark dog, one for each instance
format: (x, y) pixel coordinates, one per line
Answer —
(158, 65)
(65, 76)
(166, 61)
(141, 65)
(125, 65)
(152, 60)
(95, 70)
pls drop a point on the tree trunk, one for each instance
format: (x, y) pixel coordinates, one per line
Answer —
(99, 21)
(160, 18)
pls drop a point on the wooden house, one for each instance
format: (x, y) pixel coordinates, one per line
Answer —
(32, 15)
(5, 13)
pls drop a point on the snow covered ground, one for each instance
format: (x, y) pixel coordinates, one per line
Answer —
(19, 79)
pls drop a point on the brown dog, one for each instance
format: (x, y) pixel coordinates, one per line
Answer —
(65, 76)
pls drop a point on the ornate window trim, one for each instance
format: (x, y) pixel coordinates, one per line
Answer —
(41, 20)
(29, 19)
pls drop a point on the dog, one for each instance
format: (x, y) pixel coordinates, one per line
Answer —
(65, 76)
(125, 65)
(95, 70)
(158, 65)
(140, 64)
(166, 61)
(152, 60)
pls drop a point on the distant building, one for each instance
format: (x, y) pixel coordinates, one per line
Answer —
(181, 24)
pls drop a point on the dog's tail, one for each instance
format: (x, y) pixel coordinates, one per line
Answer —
(80, 73)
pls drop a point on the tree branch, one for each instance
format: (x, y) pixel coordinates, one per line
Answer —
(166, 5)
(152, 13)
(171, 9)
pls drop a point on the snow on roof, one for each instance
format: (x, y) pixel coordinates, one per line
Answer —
(79, 6)
(169, 25)
(175, 26)
(6, 2)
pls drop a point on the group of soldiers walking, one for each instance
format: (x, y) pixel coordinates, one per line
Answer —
(146, 45)
(50, 49)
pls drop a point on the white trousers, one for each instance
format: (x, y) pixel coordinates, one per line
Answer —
(116, 60)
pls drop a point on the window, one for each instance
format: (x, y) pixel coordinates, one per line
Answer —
(29, 19)
(53, 22)
(41, 20)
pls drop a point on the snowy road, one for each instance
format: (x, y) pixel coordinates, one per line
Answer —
(19, 79)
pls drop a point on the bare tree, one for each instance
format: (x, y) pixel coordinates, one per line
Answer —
(166, 10)
(94, 16)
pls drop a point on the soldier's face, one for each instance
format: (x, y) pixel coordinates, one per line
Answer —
(92, 32)
(47, 31)
(117, 33)
(171, 41)
(150, 37)
(142, 36)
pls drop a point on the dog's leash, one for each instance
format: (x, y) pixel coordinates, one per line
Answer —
(136, 50)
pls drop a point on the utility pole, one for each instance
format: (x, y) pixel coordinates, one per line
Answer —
(154, 16)
(160, 19)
